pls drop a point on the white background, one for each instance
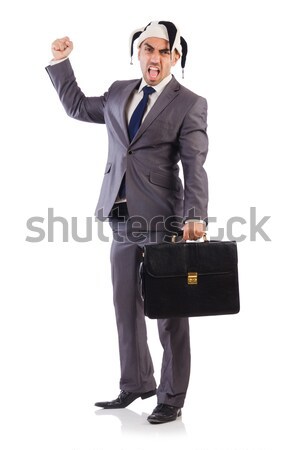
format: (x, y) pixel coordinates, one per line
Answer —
(57, 331)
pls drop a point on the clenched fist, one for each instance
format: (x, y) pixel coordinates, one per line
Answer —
(61, 48)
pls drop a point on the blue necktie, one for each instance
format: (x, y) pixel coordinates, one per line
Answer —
(137, 116)
(134, 125)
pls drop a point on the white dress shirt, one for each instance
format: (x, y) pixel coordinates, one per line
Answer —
(138, 95)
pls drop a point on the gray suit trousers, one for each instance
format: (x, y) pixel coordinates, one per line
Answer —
(137, 372)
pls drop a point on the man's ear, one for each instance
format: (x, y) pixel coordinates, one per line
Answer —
(175, 57)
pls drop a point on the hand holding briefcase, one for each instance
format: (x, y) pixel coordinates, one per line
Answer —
(190, 279)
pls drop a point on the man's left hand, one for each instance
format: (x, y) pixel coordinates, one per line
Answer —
(193, 231)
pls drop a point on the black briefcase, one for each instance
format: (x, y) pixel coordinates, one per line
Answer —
(190, 279)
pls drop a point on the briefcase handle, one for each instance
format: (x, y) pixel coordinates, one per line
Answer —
(180, 233)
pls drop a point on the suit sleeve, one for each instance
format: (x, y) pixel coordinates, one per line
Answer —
(193, 142)
(76, 104)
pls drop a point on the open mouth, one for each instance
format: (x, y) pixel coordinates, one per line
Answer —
(153, 72)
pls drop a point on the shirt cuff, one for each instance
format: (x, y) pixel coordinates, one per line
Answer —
(53, 62)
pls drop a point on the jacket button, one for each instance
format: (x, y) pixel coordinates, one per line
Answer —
(130, 152)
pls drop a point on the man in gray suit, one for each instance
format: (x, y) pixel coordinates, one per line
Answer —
(152, 123)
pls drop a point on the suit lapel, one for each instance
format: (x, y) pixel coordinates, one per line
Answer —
(165, 98)
(120, 112)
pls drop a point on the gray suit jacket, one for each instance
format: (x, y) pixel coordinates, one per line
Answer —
(173, 130)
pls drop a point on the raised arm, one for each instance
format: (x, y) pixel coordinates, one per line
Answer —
(76, 104)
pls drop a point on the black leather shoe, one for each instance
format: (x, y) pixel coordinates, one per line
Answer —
(164, 413)
(124, 399)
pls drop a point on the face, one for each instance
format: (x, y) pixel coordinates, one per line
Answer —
(156, 60)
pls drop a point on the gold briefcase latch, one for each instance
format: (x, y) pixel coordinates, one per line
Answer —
(192, 278)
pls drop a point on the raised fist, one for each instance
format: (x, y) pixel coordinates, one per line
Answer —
(61, 48)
